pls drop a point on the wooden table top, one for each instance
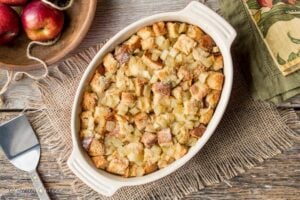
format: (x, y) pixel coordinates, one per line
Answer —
(276, 178)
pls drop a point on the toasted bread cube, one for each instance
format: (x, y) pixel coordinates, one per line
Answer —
(133, 43)
(191, 107)
(199, 90)
(141, 120)
(198, 131)
(96, 148)
(184, 74)
(100, 162)
(99, 83)
(110, 126)
(149, 168)
(218, 64)
(148, 43)
(213, 98)
(172, 29)
(173, 52)
(182, 28)
(110, 63)
(208, 62)
(128, 98)
(145, 32)
(206, 115)
(136, 170)
(149, 139)
(159, 28)
(118, 166)
(150, 63)
(194, 32)
(164, 137)
(206, 43)
(161, 88)
(215, 80)
(122, 54)
(183, 136)
(89, 101)
(185, 44)
(136, 67)
(199, 54)
(102, 112)
(180, 151)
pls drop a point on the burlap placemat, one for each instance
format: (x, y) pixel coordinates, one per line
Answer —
(250, 132)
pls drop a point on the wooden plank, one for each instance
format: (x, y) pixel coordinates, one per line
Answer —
(276, 178)
(111, 16)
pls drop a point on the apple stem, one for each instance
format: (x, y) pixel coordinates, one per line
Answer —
(58, 7)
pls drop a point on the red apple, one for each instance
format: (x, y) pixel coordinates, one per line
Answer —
(9, 24)
(41, 22)
(14, 2)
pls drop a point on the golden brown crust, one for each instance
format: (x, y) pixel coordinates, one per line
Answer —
(89, 100)
(159, 28)
(96, 148)
(100, 162)
(215, 80)
(206, 43)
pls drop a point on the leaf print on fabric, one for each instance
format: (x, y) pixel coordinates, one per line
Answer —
(281, 12)
(292, 56)
(280, 60)
(294, 40)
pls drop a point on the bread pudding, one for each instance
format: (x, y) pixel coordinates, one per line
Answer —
(151, 99)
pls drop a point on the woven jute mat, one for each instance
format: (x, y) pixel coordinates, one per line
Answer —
(250, 132)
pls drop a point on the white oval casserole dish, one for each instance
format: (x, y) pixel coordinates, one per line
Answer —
(195, 13)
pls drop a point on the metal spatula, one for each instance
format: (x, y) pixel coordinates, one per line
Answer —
(22, 148)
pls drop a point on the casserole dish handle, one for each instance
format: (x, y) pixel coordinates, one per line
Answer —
(102, 186)
(199, 12)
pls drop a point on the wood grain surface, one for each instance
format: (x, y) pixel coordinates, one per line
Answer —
(276, 178)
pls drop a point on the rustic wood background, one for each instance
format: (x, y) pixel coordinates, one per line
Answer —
(276, 178)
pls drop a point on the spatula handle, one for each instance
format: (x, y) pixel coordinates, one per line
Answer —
(38, 185)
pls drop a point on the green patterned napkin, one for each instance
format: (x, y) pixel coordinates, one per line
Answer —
(257, 60)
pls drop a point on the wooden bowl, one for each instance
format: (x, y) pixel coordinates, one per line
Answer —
(78, 19)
